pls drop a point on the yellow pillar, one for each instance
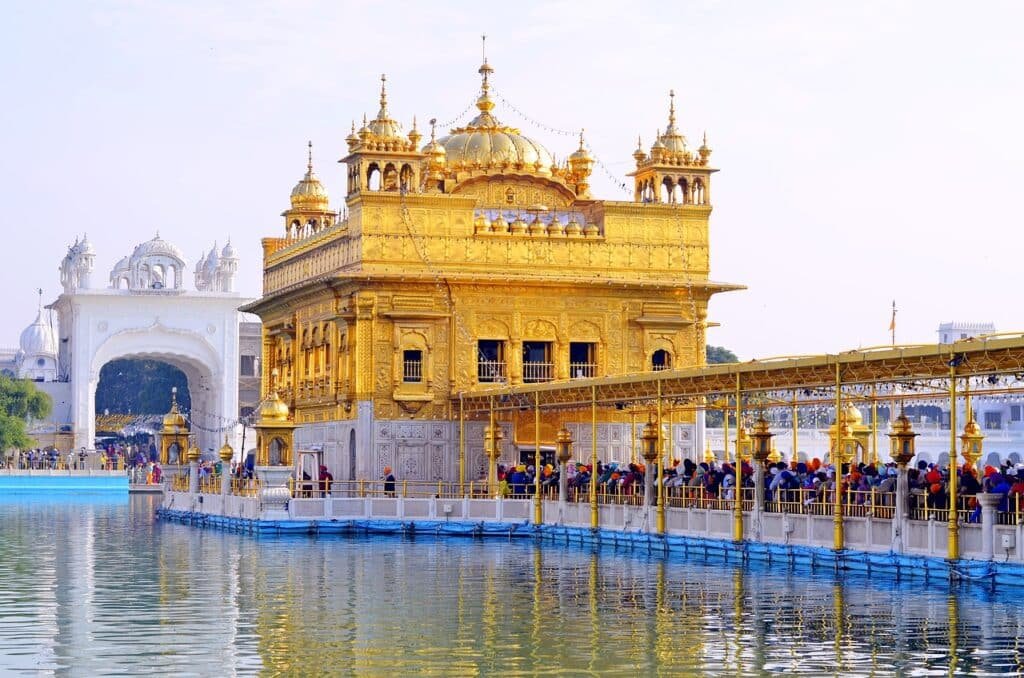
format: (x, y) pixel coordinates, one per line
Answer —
(462, 444)
(874, 425)
(796, 413)
(492, 454)
(538, 511)
(632, 437)
(836, 456)
(593, 457)
(725, 429)
(660, 508)
(953, 551)
(737, 514)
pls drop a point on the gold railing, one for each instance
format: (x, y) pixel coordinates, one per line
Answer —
(922, 509)
(179, 483)
(245, 487)
(411, 489)
(209, 484)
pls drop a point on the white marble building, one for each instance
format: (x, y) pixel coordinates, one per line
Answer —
(146, 312)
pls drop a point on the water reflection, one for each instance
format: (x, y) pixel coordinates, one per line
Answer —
(100, 587)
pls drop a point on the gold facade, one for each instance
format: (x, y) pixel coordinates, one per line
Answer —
(478, 258)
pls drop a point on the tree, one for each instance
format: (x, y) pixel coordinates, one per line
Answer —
(20, 401)
(717, 354)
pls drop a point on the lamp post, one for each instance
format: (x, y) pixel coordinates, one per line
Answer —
(563, 443)
(762, 451)
(971, 441)
(493, 436)
(901, 449)
(845, 452)
(226, 455)
(650, 436)
(743, 448)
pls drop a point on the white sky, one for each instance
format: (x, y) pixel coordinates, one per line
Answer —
(869, 151)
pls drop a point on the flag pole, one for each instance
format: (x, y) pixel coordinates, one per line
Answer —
(892, 323)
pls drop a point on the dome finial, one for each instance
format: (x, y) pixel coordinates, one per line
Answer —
(40, 290)
(433, 129)
(485, 69)
(672, 109)
(581, 138)
(383, 113)
(309, 157)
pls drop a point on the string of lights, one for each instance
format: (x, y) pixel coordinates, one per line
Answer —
(554, 130)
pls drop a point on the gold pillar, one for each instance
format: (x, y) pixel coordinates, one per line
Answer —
(796, 417)
(538, 511)
(632, 437)
(492, 453)
(593, 457)
(725, 429)
(953, 550)
(660, 508)
(462, 444)
(737, 515)
(836, 456)
(874, 425)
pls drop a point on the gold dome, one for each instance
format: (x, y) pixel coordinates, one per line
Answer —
(486, 143)
(226, 451)
(309, 193)
(273, 409)
(383, 126)
(853, 416)
(174, 421)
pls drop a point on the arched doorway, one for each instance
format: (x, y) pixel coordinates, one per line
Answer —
(213, 403)
(132, 397)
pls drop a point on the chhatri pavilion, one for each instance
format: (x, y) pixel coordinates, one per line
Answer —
(475, 258)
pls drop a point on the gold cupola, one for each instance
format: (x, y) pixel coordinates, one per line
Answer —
(174, 421)
(309, 194)
(487, 144)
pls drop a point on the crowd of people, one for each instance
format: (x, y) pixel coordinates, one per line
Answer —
(795, 482)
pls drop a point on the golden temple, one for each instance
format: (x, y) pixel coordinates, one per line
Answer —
(472, 260)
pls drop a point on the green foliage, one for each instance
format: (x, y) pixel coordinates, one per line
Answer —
(132, 386)
(718, 354)
(20, 401)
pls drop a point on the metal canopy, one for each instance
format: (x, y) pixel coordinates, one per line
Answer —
(987, 355)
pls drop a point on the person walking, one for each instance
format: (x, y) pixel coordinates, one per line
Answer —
(389, 482)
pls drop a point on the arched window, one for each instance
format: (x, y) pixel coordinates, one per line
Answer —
(390, 180)
(698, 192)
(405, 178)
(682, 191)
(661, 360)
(668, 190)
(373, 177)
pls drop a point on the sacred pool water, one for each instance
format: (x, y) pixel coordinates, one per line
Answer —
(95, 585)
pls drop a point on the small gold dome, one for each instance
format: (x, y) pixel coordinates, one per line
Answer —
(309, 193)
(972, 429)
(226, 451)
(273, 409)
(853, 416)
(174, 421)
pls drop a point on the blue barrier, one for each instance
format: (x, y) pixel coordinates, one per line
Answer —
(70, 483)
(996, 574)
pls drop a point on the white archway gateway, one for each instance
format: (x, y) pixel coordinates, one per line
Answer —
(146, 313)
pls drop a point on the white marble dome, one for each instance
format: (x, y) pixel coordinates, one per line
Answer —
(157, 247)
(38, 339)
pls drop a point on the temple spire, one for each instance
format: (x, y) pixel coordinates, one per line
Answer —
(309, 157)
(383, 113)
(485, 68)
